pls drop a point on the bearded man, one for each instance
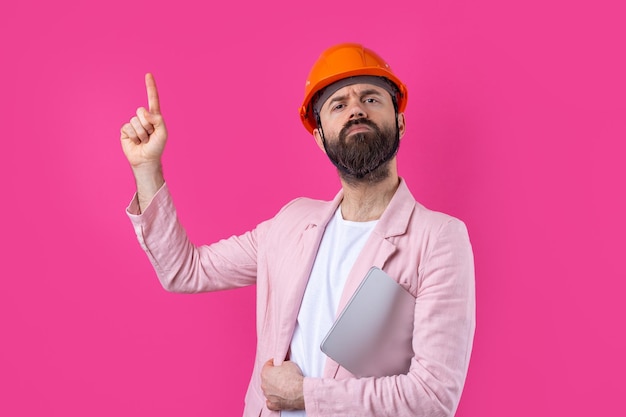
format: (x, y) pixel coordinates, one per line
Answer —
(310, 258)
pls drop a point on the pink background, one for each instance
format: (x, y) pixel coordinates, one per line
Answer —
(516, 124)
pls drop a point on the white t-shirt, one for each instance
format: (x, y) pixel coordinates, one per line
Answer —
(341, 244)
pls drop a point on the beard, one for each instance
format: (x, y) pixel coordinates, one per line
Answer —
(364, 156)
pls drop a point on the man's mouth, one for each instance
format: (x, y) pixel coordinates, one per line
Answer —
(358, 129)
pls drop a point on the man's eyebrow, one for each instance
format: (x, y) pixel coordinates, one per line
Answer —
(371, 92)
(335, 99)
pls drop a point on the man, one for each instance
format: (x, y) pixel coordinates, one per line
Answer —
(308, 260)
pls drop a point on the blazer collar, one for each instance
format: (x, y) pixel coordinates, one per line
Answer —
(395, 219)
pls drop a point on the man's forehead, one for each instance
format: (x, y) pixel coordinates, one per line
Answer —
(359, 88)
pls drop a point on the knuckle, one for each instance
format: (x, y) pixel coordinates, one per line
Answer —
(129, 131)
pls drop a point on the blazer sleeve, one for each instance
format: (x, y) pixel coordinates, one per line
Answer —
(442, 341)
(180, 265)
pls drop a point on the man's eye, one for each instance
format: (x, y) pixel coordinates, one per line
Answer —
(338, 107)
(370, 100)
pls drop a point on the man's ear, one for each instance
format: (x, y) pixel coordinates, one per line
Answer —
(318, 139)
(401, 124)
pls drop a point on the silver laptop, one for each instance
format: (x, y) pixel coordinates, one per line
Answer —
(360, 340)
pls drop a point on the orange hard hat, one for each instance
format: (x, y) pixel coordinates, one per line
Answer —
(343, 61)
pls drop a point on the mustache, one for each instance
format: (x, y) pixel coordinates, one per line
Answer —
(350, 123)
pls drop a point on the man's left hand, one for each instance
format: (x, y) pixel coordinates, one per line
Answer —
(282, 386)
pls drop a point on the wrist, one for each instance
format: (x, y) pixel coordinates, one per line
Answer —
(147, 170)
(149, 180)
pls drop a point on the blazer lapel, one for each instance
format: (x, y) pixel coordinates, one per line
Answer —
(302, 265)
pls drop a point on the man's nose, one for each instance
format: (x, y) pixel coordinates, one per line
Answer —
(357, 111)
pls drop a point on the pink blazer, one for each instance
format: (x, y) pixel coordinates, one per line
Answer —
(427, 252)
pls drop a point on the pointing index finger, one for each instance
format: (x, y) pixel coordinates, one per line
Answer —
(153, 95)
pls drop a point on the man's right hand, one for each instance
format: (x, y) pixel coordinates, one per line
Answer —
(143, 141)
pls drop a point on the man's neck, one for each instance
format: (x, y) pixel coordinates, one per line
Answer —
(364, 202)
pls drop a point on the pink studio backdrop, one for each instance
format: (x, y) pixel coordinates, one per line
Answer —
(516, 124)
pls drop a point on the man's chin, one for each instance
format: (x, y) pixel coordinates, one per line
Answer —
(361, 136)
(356, 177)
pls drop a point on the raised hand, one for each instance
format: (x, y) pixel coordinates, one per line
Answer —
(143, 138)
(143, 141)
